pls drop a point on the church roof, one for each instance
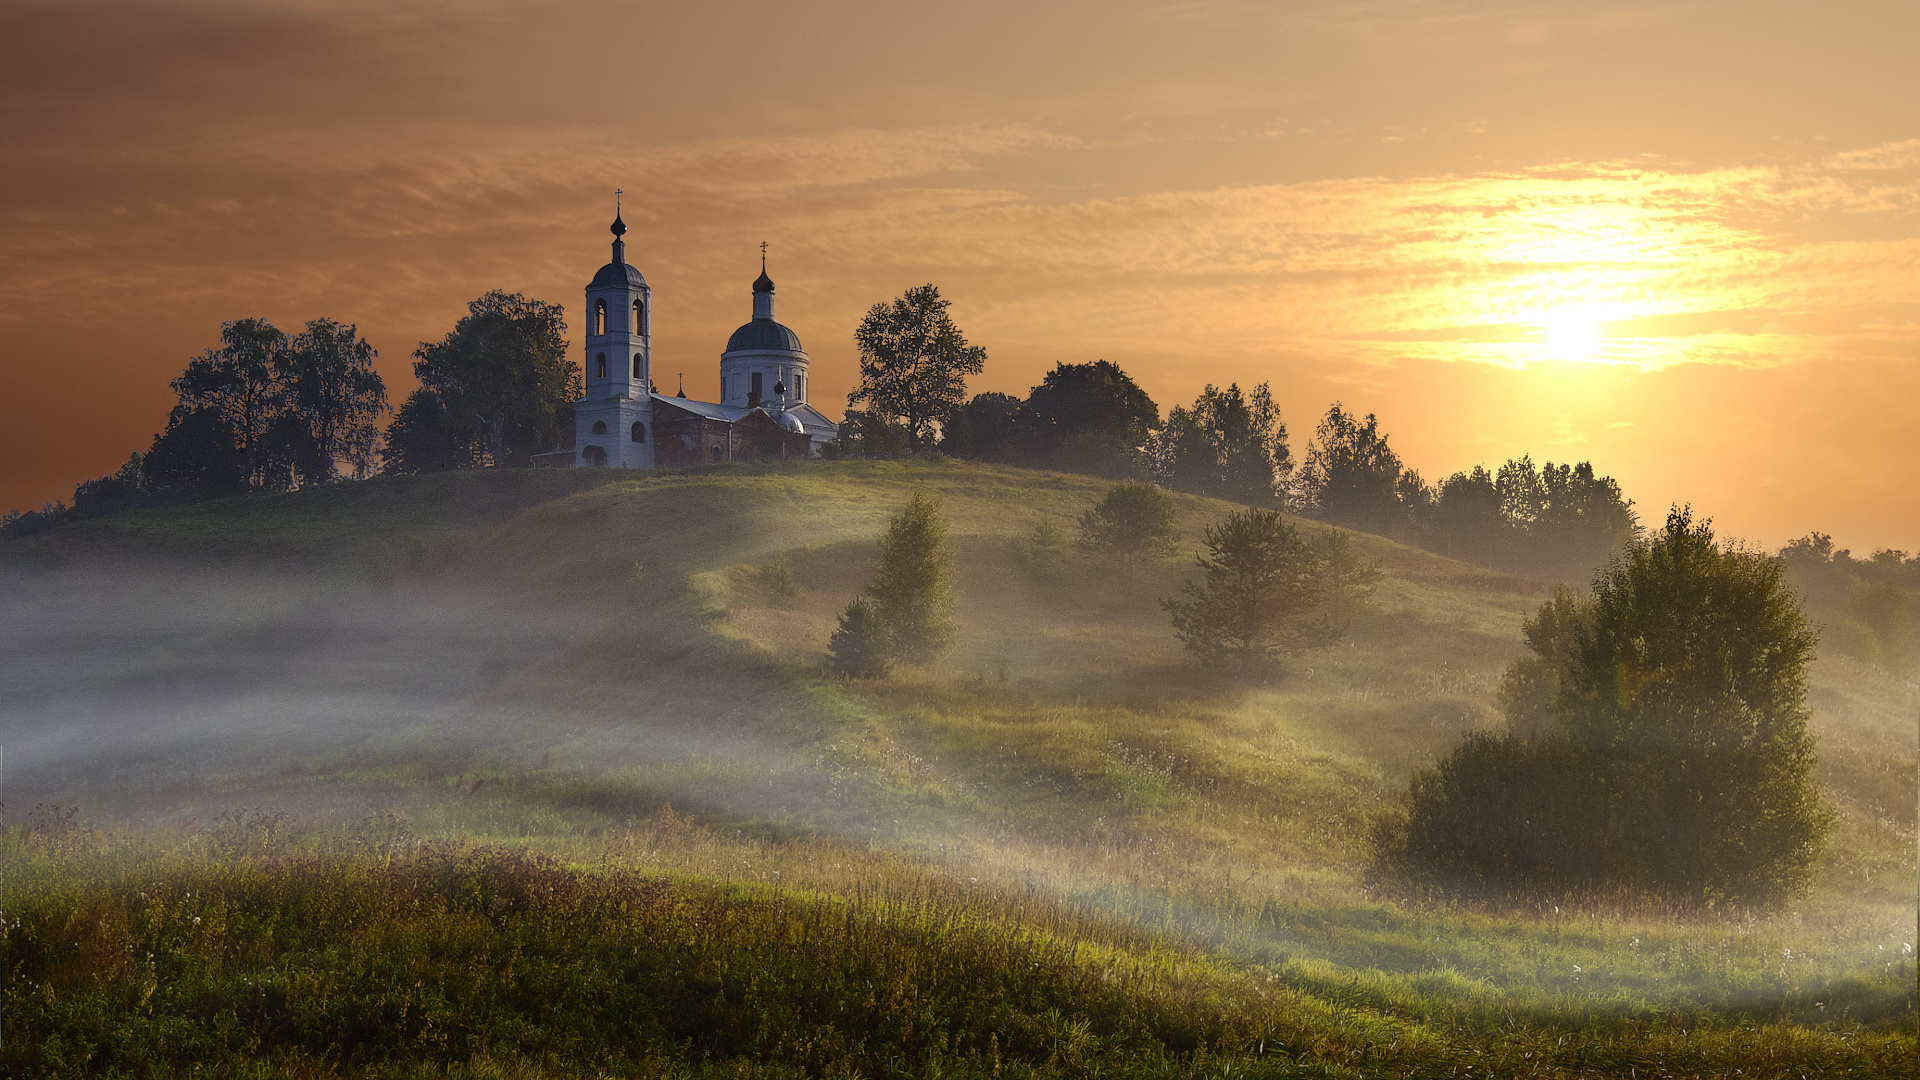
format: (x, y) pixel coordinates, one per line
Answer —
(763, 335)
(617, 273)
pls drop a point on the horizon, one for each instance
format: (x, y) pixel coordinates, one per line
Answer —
(1677, 243)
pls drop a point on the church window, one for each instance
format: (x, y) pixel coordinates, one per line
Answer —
(600, 365)
(639, 431)
(639, 317)
(800, 388)
(716, 453)
(599, 427)
(635, 373)
(756, 382)
(599, 316)
(593, 455)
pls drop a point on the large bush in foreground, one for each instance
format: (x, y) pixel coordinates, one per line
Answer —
(1657, 743)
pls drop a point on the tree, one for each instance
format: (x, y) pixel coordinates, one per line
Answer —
(240, 380)
(1352, 476)
(1347, 580)
(197, 457)
(503, 373)
(1090, 418)
(1132, 522)
(984, 429)
(1657, 740)
(1228, 445)
(912, 591)
(424, 438)
(861, 645)
(333, 396)
(1259, 589)
(914, 363)
(123, 489)
(1466, 516)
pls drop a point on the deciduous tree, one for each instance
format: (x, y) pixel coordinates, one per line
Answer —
(914, 363)
(1132, 522)
(503, 372)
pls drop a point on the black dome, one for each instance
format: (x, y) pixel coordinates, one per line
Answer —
(620, 273)
(763, 283)
(764, 334)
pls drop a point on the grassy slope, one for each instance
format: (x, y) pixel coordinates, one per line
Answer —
(1062, 756)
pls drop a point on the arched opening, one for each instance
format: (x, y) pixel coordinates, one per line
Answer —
(716, 451)
(599, 316)
(639, 317)
(599, 427)
(634, 372)
(594, 456)
(639, 431)
(799, 387)
(600, 365)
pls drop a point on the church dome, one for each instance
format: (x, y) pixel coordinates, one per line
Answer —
(763, 335)
(763, 283)
(789, 422)
(618, 273)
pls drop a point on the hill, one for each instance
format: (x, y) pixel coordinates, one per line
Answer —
(595, 666)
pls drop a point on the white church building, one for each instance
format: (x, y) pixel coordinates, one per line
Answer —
(622, 422)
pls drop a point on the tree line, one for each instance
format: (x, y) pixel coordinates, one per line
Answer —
(270, 411)
(1553, 520)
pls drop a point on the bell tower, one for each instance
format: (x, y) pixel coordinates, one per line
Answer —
(613, 420)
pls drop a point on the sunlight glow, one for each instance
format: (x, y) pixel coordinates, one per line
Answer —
(1573, 333)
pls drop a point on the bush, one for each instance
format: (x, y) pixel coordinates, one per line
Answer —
(1657, 743)
(861, 646)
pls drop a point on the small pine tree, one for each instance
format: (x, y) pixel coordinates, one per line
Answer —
(1133, 522)
(861, 646)
(779, 580)
(1347, 579)
(912, 592)
(1256, 598)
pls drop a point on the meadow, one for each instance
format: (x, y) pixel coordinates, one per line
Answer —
(542, 774)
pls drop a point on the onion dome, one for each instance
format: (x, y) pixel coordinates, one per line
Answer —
(763, 335)
(791, 422)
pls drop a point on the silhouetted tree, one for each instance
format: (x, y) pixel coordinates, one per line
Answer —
(503, 373)
(423, 438)
(197, 457)
(914, 363)
(1352, 476)
(1466, 516)
(332, 400)
(1228, 445)
(1257, 596)
(241, 381)
(123, 489)
(1131, 522)
(1089, 418)
(984, 429)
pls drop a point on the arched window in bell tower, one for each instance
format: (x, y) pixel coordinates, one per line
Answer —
(599, 316)
(639, 316)
(599, 427)
(639, 431)
(600, 365)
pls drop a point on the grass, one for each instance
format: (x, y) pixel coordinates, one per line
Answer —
(476, 661)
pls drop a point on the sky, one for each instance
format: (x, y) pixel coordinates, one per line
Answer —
(1680, 240)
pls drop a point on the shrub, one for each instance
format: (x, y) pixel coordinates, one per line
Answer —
(861, 646)
(1131, 522)
(1256, 598)
(912, 592)
(1657, 742)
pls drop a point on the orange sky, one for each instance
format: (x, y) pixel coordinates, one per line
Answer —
(1679, 239)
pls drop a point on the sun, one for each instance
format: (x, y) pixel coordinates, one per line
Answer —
(1573, 333)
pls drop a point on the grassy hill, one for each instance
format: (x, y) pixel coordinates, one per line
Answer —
(1060, 846)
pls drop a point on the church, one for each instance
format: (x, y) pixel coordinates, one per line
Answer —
(623, 422)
